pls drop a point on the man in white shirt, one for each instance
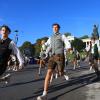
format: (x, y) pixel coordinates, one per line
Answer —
(7, 47)
(57, 43)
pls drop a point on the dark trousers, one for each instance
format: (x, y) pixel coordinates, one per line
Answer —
(3, 69)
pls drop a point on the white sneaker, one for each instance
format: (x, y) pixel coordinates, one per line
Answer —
(6, 82)
(66, 77)
(90, 68)
(43, 97)
(6, 76)
(79, 66)
(56, 75)
(74, 67)
(93, 70)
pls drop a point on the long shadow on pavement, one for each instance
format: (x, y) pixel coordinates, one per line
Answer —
(22, 83)
(81, 81)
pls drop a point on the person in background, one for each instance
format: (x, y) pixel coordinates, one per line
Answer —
(42, 62)
(93, 57)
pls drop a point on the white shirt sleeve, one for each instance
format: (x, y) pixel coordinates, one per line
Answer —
(66, 42)
(48, 50)
(48, 42)
(47, 45)
(16, 51)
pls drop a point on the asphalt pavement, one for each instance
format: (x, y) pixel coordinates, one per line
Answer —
(27, 85)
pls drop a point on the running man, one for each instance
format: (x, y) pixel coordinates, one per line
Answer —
(57, 43)
(7, 47)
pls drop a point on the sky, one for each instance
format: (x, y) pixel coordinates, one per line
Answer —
(34, 18)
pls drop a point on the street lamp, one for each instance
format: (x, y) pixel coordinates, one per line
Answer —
(16, 36)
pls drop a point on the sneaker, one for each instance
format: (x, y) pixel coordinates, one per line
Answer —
(43, 97)
(40, 74)
(79, 66)
(90, 68)
(56, 75)
(65, 70)
(94, 71)
(74, 67)
(6, 78)
(6, 82)
(66, 77)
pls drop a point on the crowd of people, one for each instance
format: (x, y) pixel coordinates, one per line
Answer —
(59, 46)
(53, 57)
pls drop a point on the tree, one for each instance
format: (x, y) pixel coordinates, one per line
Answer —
(32, 49)
(44, 38)
(38, 45)
(78, 44)
(84, 37)
(67, 34)
(28, 48)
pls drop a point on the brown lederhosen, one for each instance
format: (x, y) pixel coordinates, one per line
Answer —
(58, 61)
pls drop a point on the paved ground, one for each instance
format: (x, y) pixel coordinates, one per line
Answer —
(27, 85)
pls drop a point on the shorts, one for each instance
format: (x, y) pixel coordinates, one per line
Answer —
(58, 61)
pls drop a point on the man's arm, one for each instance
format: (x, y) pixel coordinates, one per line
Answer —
(48, 46)
(66, 42)
(17, 52)
(48, 49)
(48, 42)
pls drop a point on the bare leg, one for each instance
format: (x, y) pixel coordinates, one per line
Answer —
(74, 65)
(46, 85)
(47, 79)
(40, 65)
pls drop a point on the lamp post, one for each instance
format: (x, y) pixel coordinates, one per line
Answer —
(16, 36)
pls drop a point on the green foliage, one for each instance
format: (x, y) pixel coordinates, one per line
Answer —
(78, 44)
(67, 34)
(38, 45)
(70, 56)
(27, 46)
(33, 48)
(84, 37)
